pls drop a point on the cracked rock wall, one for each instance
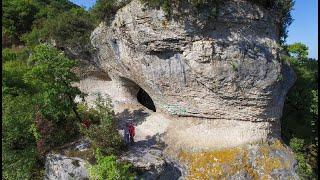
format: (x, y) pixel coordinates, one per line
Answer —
(225, 70)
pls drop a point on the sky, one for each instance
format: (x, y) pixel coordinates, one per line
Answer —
(303, 29)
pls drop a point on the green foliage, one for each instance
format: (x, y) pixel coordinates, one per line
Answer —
(12, 80)
(296, 144)
(304, 169)
(18, 144)
(51, 72)
(12, 55)
(298, 50)
(108, 168)
(18, 164)
(72, 28)
(20, 16)
(68, 29)
(42, 86)
(103, 129)
(299, 121)
(104, 9)
(210, 7)
(283, 12)
(17, 18)
(234, 66)
(38, 108)
(18, 114)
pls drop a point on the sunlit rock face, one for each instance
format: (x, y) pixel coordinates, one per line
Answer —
(225, 72)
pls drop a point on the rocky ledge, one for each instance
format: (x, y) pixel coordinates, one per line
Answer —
(228, 70)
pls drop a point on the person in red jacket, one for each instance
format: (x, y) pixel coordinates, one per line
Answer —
(86, 123)
(131, 132)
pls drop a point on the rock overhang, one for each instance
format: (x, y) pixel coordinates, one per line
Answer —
(228, 70)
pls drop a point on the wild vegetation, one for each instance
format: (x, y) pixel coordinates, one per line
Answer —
(101, 127)
(105, 9)
(300, 114)
(38, 111)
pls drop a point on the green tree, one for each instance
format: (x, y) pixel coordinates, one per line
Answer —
(108, 168)
(103, 130)
(104, 9)
(298, 50)
(17, 18)
(300, 114)
(19, 155)
(51, 72)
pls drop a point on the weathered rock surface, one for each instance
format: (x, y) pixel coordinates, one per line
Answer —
(228, 70)
(253, 161)
(69, 162)
(64, 168)
(215, 86)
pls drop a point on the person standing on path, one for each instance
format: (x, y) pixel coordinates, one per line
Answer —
(126, 134)
(132, 132)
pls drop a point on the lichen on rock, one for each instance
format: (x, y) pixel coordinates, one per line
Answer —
(221, 83)
(256, 161)
(227, 70)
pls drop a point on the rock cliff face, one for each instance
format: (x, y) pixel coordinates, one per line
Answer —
(227, 70)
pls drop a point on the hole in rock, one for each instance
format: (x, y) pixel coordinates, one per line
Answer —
(144, 99)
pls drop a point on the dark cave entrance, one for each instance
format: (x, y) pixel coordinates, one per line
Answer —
(144, 99)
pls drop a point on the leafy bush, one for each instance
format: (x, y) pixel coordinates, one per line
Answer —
(210, 7)
(304, 169)
(108, 168)
(103, 129)
(283, 9)
(300, 114)
(12, 80)
(71, 28)
(104, 9)
(51, 72)
(18, 143)
(298, 50)
(17, 18)
(15, 55)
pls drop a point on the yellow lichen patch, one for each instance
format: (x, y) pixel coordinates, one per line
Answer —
(268, 163)
(165, 24)
(226, 163)
(247, 167)
(208, 165)
(278, 145)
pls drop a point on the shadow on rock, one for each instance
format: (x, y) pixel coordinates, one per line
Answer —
(149, 161)
(137, 117)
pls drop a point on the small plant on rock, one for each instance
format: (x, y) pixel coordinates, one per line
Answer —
(102, 129)
(108, 168)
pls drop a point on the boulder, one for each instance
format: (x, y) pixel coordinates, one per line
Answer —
(228, 69)
(69, 162)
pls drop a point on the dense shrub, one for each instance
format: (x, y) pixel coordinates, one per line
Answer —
(68, 29)
(19, 54)
(19, 16)
(18, 143)
(108, 168)
(51, 72)
(300, 114)
(104, 9)
(208, 7)
(12, 80)
(103, 128)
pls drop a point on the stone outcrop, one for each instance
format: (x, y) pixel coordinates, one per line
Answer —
(65, 165)
(216, 85)
(227, 70)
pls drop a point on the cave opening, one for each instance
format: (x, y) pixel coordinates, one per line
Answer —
(144, 99)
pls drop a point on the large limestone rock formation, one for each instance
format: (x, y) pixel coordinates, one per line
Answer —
(225, 76)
